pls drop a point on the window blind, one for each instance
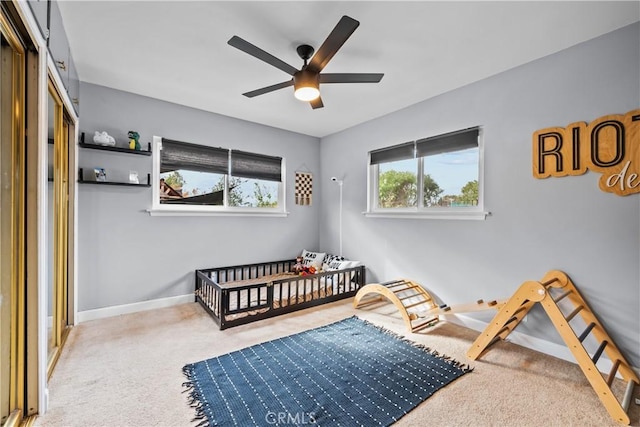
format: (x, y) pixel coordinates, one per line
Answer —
(391, 154)
(448, 142)
(256, 166)
(176, 155)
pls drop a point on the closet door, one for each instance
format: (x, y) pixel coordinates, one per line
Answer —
(12, 226)
(57, 229)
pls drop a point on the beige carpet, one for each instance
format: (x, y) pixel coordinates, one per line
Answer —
(127, 371)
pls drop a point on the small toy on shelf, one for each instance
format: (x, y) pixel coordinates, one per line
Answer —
(101, 174)
(134, 140)
(103, 138)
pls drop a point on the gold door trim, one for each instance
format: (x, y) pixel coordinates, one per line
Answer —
(13, 223)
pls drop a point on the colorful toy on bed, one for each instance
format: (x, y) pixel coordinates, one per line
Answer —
(299, 267)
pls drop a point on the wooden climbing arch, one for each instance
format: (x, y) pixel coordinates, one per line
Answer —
(417, 307)
(404, 294)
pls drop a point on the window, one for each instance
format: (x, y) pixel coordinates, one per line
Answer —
(432, 177)
(197, 179)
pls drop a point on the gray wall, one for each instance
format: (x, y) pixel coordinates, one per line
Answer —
(536, 225)
(126, 255)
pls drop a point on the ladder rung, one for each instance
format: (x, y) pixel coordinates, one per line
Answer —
(414, 304)
(563, 296)
(417, 294)
(574, 312)
(424, 324)
(549, 282)
(512, 319)
(504, 328)
(586, 332)
(369, 301)
(612, 372)
(493, 341)
(397, 291)
(626, 400)
(522, 307)
(394, 284)
(430, 306)
(598, 352)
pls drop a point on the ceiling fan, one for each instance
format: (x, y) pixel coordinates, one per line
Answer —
(306, 81)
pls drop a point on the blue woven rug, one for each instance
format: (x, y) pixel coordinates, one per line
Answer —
(347, 373)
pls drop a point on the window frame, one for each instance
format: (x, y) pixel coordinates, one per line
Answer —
(159, 209)
(420, 211)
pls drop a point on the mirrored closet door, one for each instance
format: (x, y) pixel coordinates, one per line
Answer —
(58, 227)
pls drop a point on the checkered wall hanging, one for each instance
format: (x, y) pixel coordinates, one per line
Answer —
(304, 188)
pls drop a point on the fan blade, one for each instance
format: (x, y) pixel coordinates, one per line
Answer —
(350, 78)
(268, 89)
(255, 51)
(342, 31)
(316, 103)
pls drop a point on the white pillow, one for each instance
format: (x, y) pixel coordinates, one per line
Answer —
(330, 257)
(338, 265)
(312, 258)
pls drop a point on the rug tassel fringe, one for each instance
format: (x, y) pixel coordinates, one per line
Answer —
(193, 398)
(456, 364)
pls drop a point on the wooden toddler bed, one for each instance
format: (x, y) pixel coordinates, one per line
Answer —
(245, 293)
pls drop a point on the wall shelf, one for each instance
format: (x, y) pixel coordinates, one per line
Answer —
(81, 180)
(116, 149)
(129, 184)
(113, 149)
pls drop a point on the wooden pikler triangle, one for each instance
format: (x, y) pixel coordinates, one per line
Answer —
(554, 290)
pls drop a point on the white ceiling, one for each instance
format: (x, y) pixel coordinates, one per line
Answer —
(177, 50)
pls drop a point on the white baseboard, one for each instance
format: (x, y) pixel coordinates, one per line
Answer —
(116, 310)
(556, 350)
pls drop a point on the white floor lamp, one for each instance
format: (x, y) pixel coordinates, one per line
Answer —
(340, 182)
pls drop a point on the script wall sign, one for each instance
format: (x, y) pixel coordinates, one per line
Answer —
(609, 145)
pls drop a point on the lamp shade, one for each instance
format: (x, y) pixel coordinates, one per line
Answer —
(306, 85)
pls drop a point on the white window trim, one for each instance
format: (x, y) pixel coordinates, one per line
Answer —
(470, 213)
(158, 209)
(456, 215)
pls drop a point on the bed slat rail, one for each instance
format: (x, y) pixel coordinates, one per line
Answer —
(248, 271)
(246, 299)
(208, 294)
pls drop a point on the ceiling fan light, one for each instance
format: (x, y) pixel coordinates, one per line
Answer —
(306, 93)
(306, 85)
